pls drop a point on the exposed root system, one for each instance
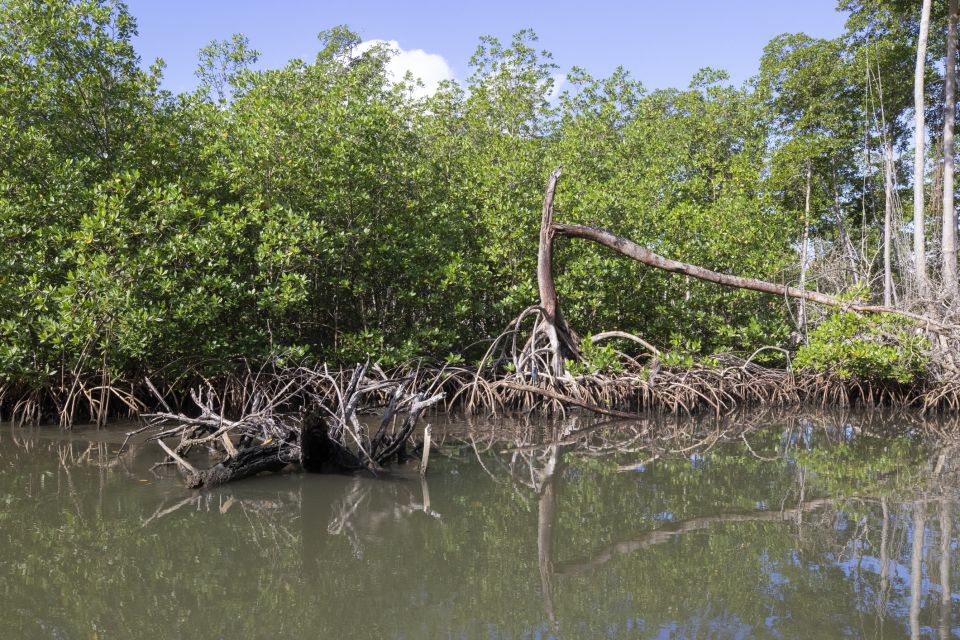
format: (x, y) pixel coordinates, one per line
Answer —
(275, 417)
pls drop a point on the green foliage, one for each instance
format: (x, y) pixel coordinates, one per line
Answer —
(678, 171)
(881, 349)
(320, 210)
(223, 65)
(685, 353)
(596, 358)
(455, 359)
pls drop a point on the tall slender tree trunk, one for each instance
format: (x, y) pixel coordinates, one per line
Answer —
(949, 243)
(804, 251)
(888, 221)
(884, 558)
(846, 244)
(919, 244)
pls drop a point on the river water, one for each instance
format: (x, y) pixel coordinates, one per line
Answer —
(810, 526)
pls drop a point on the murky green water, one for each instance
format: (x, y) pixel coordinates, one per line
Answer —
(821, 531)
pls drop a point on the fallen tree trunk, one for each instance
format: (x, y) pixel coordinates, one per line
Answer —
(246, 463)
(566, 399)
(640, 254)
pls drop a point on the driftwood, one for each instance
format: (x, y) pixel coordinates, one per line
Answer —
(301, 416)
(247, 462)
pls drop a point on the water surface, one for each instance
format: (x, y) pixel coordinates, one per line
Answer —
(818, 529)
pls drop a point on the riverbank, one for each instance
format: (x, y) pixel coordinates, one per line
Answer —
(716, 385)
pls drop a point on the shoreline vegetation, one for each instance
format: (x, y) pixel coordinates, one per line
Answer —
(549, 370)
(191, 258)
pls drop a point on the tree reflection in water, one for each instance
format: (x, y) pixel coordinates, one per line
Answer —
(815, 528)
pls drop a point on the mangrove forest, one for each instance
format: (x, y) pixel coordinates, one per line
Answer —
(533, 353)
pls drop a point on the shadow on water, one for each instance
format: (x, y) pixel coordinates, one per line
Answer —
(767, 525)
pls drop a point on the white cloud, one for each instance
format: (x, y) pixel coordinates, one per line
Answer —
(431, 68)
(559, 79)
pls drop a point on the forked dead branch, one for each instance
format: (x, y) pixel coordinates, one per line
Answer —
(524, 370)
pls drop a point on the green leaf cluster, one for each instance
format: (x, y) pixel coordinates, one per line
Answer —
(880, 349)
(596, 358)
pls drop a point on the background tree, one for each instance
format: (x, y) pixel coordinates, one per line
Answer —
(949, 242)
(919, 136)
(815, 125)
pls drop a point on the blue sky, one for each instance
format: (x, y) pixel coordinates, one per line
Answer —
(662, 43)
